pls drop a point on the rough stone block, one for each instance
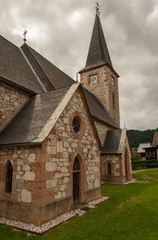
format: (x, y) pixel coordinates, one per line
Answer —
(29, 176)
(51, 183)
(51, 166)
(59, 146)
(96, 183)
(51, 150)
(32, 157)
(26, 196)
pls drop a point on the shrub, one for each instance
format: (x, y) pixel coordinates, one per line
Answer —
(145, 164)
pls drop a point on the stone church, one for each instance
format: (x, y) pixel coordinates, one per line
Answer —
(58, 138)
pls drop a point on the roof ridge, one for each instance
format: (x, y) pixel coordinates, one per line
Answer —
(30, 48)
(31, 52)
(56, 114)
(32, 69)
(47, 61)
(15, 69)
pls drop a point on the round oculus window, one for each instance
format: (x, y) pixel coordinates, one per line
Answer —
(76, 125)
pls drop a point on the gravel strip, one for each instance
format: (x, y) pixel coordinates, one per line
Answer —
(54, 222)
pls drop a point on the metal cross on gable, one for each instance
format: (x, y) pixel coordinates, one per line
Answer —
(25, 32)
(97, 9)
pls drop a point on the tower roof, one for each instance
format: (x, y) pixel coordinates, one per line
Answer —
(98, 51)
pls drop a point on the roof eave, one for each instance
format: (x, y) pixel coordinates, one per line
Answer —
(111, 153)
(85, 69)
(20, 144)
(104, 122)
(17, 85)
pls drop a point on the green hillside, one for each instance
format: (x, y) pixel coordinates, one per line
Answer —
(138, 136)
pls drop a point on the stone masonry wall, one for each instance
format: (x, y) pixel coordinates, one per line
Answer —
(116, 168)
(64, 145)
(43, 175)
(121, 166)
(104, 90)
(11, 98)
(25, 172)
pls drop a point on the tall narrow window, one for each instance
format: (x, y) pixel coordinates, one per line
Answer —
(113, 100)
(112, 80)
(9, 175)
(109, 168)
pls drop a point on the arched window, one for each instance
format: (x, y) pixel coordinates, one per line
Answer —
(9, 175)
(76, 166)
(76, 181)
(113, 100)
(109, 168)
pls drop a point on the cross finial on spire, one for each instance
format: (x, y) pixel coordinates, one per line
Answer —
(25, 32)
(97, 9)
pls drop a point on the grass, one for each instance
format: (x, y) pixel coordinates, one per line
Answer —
(131, 213)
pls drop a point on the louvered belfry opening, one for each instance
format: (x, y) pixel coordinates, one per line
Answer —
(9, 175)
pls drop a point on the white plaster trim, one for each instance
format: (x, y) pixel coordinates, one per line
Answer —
(56, 114)
(38, 79)
(122, 140)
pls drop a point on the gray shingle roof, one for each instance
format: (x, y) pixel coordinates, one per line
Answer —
(57, 78)
(29, 122)
(38, 70)
(112, 142)
(15, 69)
(97, 110)
(98, 51)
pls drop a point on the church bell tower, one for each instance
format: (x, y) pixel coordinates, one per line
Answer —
(98, 76)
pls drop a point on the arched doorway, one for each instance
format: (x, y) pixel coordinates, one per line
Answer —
(76, 181)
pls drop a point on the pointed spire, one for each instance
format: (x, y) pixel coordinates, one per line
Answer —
(98, 51)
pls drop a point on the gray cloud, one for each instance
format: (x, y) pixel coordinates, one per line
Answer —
(61, 30)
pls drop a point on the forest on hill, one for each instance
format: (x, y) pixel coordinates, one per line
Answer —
(138, 136)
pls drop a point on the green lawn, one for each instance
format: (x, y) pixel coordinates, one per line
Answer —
(131, 213)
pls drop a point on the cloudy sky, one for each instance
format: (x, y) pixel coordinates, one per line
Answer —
(61, 29)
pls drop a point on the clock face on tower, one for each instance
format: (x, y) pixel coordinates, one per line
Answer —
(93, 78)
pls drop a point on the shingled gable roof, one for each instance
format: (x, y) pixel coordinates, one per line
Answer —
(114, 141)
(34, 127)
(47, 72)
(98, 111)
(98, 51)
(34, 122)
(15, 69)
